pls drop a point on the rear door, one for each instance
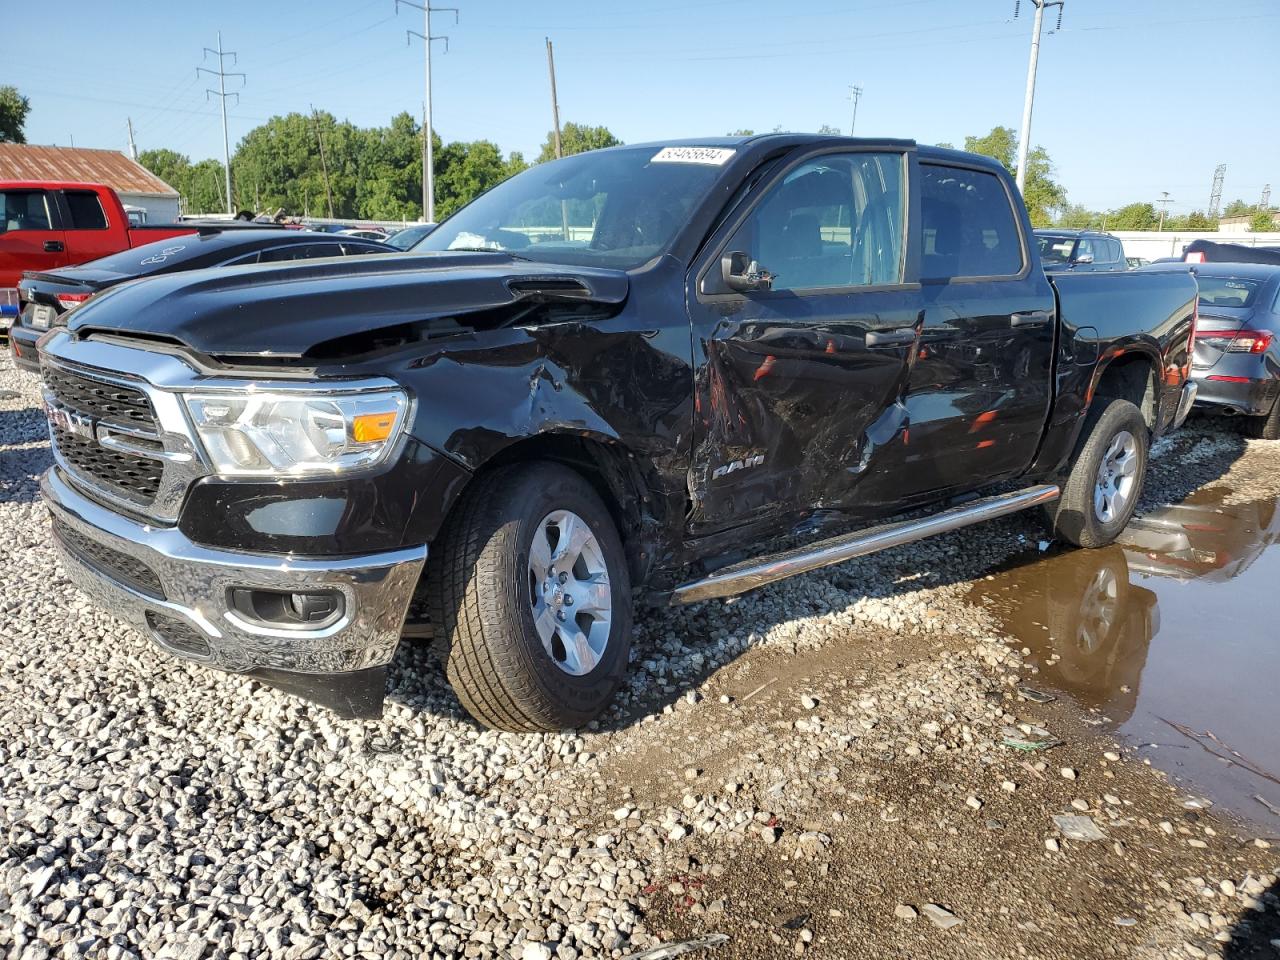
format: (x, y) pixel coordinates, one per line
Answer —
(89, 232)
(980, 385)
(30, 235)
(791, 382)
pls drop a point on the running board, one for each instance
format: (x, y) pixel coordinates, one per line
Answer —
(750, 574)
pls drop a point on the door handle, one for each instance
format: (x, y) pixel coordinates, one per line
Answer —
(1029, 318)
(890, 338)
(53, 246)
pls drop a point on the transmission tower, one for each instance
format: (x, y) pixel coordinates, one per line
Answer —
(1265, 205)
(1215, 197)
(222, 94)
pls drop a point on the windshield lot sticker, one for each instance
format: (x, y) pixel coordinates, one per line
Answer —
(712, 156)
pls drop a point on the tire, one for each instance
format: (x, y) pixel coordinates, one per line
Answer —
(1114, 439)
(1266, 427)
(485, 599)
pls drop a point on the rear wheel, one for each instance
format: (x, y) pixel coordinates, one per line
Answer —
(1266, 427)
(1106, 476)
(529, 587)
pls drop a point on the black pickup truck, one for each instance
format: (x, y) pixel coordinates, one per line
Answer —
(599, 379)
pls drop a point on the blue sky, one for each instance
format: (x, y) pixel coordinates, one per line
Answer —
(1135, 97)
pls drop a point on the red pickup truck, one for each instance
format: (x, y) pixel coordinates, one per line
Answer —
(49, 224)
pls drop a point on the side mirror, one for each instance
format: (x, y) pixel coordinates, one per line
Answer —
(743, 274)
(1084, 258)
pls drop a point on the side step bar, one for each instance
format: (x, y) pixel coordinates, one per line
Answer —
(750, 574)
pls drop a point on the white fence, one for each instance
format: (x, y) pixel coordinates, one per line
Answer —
(1152, 245)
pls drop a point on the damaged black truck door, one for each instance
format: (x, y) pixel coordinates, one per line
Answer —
(797, 381)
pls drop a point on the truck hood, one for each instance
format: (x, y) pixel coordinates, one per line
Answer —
(338, 306)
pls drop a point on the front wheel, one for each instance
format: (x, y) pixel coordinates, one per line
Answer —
(1105, 481)
(529, 587)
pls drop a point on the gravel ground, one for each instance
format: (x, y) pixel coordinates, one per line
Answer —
(816, 768)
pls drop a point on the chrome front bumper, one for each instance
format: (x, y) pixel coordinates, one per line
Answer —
(194, 582)
(1185, 402)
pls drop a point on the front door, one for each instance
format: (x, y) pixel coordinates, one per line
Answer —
(29, 239)
(795, 384)
(980, 384)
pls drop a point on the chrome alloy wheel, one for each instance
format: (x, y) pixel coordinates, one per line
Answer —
(1117, 482)
(569, 592)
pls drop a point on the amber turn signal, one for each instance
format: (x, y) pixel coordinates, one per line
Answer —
(372, 427)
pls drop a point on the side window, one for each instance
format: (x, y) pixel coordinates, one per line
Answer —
(833, 221)
(86, 210)
(969, 229)
(1117, 251)
(24, 210)
(1087, 248)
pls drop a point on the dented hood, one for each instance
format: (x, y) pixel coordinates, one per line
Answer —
(287, 310)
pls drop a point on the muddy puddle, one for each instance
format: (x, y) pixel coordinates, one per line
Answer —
(1172, 635)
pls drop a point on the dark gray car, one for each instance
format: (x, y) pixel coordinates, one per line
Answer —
(1236, 361)
(1082, 251)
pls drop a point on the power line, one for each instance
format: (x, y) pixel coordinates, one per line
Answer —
(221, 93)
(1024, 142)
(428, 148)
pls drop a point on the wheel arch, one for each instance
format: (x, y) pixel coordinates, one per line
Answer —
(1129, 373)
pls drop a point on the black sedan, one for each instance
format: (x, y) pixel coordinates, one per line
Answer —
(44, 299)
(1236, 362)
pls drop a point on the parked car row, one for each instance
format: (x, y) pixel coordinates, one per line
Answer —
(624, 370)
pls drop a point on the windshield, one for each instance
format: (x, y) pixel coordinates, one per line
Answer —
(1056, 249)
(608, 208)
(1227, 291)
(405, 239)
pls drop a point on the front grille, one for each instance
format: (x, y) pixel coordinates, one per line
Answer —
(104, 401)
(135, 478)
(178, 635)
(113, 564)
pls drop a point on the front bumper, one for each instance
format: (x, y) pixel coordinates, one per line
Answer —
(176, 592)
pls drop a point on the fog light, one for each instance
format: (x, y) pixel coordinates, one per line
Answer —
(297, 610)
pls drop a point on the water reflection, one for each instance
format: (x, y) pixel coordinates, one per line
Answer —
(1170, 634)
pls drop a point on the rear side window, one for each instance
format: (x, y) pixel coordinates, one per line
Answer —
(1227, 291)
(969, 226)
(24, 210)
(1117, 251)
(86, 210)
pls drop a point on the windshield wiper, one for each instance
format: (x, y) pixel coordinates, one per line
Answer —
(513, 256)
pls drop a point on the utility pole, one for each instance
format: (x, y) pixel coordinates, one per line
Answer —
(324, 167)
(1215, 193)
(221, 94)
(855, 94)
(555, 102)
(1265, 204)
(1164, 206)
(428, 148)
(1024, 142)
(133, 147)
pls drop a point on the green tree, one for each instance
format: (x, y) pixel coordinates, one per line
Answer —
(1238, 208)
(467, 170)
(14, 108)
(1042, 194)
(1135, 216)
(1076, 216)
(741, 133)
(827, 130)
(576, 138)
(1262, 222)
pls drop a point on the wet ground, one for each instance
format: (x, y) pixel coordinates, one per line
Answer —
(1171, 638)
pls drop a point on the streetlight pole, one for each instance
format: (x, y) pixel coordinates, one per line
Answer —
(1024, 143)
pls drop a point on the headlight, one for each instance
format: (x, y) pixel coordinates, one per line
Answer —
(290, 434)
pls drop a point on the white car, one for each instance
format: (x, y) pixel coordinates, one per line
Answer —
(364, 234)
